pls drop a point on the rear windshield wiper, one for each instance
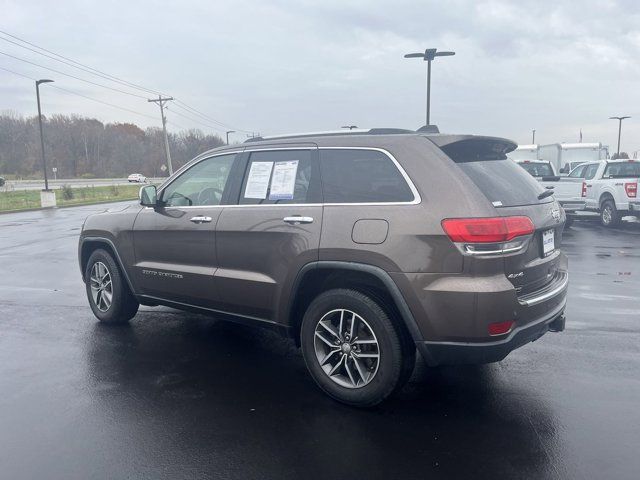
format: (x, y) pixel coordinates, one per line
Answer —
(545, 194)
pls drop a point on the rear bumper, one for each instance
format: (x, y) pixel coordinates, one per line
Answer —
(634, 207)
(457, 353)
(453, 313)
(571, 206)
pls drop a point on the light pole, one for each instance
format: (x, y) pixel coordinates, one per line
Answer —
(533, 136)
(619, 128)
(350, 127)
(228, 132)
(44, 162)
(428, 56)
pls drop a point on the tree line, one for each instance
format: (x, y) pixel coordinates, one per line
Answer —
(85, 147)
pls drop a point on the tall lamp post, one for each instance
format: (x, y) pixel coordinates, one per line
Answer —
(228, 132)
(533, 136)
(428, 56)
(619, 128)
(44, 162)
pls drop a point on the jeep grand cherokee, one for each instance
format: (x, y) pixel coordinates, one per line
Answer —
(362, 246)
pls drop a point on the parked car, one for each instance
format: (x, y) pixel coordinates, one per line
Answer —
(137, 178)
(570, 166)
(362, 246)
(568, 191)
(611, 189)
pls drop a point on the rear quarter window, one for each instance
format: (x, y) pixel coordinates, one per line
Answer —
(622, 170)
(361, 176)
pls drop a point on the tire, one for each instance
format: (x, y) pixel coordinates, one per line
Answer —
(123, 305)
(609, 216)
(366, 380)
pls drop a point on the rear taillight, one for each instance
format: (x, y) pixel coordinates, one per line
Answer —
(487, 230)
(631, 189)
(584, 189)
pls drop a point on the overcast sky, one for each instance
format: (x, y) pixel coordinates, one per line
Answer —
(277, 66)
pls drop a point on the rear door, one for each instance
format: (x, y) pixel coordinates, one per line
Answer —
(271, 233)
(513, 192)
(175, 256)
(592, 187)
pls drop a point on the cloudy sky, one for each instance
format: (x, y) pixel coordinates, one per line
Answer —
(277, 66)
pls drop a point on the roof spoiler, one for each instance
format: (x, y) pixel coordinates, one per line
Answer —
(473, 147)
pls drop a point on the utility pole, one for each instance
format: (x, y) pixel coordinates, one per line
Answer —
(161, 101)
(533, 136)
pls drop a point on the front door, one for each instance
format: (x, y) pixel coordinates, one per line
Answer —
(175, 255)
(272, 232)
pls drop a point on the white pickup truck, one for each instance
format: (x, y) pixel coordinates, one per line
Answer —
(610, 187)
(567, 190)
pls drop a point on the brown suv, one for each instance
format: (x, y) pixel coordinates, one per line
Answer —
(361, 246)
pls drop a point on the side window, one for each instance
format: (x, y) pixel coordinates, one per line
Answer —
(279, 176)
(578, 172)
(202, 184)
(590, 171)
(361, 176)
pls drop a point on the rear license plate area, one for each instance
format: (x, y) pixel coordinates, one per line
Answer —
(548, 242)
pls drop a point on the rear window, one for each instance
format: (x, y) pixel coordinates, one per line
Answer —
(361, 176)
(501, 180)
(538, 169)
(622, 170)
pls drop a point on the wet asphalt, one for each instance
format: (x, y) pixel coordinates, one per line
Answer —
(178, 395)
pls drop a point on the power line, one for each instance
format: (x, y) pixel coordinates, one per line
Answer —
(73, 76)
(193, 111)
(200, 122)
(95, 71)
(81, 95)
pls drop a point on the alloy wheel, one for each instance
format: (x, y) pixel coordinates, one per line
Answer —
(101, 286)
(346, 348)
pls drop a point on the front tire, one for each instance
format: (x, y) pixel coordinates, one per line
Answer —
(109, 295)
(352, 349)
(609, 216)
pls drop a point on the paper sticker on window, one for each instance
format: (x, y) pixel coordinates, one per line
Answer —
(258, 181)
(283, 183)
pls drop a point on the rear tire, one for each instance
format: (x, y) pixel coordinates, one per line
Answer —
(360, 365)
(609, 216)
(109, 295)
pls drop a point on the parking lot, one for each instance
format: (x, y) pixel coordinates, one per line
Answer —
(178, 395)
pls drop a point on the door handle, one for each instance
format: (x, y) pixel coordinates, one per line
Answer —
(200, 219)
(296, 220)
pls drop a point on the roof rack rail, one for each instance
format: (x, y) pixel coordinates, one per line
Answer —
(358, 131)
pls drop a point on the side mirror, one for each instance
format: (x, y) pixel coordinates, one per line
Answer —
(148, 196)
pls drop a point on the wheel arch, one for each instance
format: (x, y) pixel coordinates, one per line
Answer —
(604, 196)
(88, 245)
(320, 276)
